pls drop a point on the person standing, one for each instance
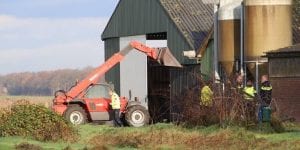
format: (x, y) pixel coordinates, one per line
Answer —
(249, 96)
(239, 84)
(265, 96)
(249, 91)
(206, 96)
(116, 105)
(265, 91)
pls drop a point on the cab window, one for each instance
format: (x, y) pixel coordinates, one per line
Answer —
(98, 91)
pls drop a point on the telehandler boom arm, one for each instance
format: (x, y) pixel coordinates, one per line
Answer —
(163, 56)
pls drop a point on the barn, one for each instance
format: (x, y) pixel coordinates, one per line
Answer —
(284, 72)
(180, 25)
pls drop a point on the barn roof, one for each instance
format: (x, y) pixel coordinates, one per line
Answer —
(293, 48)
(290, 51)
(193, 18)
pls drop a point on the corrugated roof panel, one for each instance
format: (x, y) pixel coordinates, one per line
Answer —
(293, 48)
(193, 18)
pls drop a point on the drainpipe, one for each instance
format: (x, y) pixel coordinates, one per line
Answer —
(256, 74)
(216, 44)
(242, 40)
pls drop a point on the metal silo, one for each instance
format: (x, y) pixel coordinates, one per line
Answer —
(229, 20)
(268, 26)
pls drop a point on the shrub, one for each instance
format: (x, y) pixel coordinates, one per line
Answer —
(36, 121)
(27, 146)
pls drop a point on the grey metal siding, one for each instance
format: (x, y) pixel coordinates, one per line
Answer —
(159, 92)
(111, 47)
(183, 81)
(136, 17)
(207, 62)
(167, 88)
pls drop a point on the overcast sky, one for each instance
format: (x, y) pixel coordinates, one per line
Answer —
(38, 35)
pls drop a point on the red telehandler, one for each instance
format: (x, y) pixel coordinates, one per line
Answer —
(89, 101)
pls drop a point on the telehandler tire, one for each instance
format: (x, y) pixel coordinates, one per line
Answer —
(75, 114)
(137, 116)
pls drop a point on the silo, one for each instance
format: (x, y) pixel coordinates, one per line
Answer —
(268, 26)
(229, 34)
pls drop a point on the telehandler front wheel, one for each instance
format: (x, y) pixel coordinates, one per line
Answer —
(75, 114)
(137, 116)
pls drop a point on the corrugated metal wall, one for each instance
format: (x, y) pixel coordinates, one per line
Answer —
(159, 93)
(167, 88)
(207, 62)
(182, 82)
(136, 17)
(177, 44)
(112, 46)
(284, 67)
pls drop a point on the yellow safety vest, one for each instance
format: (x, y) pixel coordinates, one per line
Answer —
(115, 101)
(249, 93)
(266, 88)
(206, 96)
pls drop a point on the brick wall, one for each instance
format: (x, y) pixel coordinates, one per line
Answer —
(286, 92)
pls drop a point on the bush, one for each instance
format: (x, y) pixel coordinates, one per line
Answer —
(277, 125)
(27, 146)
(36, 121)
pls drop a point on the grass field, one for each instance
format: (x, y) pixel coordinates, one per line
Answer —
(168, 136)
(161, 136)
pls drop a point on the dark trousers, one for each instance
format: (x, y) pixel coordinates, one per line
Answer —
(250, 110)
(117, 120)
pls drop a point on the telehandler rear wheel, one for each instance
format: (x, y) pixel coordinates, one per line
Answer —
(137, 116)
(76, 115)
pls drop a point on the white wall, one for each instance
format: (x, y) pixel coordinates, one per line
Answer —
(157, 43)
(133, 71)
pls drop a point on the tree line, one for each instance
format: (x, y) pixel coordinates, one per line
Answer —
(43, 83)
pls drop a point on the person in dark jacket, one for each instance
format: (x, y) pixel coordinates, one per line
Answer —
(265, 91)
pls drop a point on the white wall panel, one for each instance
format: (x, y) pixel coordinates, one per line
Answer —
(133, 71)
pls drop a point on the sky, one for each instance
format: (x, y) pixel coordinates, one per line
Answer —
(39, 35)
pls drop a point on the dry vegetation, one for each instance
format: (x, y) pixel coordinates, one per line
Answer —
(7, 101)
(175, 137)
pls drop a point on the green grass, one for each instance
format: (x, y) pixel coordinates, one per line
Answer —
(8, 143)
(87, 132)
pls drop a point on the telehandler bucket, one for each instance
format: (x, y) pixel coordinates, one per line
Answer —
(162, 55)
(166, 58)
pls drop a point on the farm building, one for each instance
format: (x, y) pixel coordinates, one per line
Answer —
(232, 40)
(179, 25)
(284, 72)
